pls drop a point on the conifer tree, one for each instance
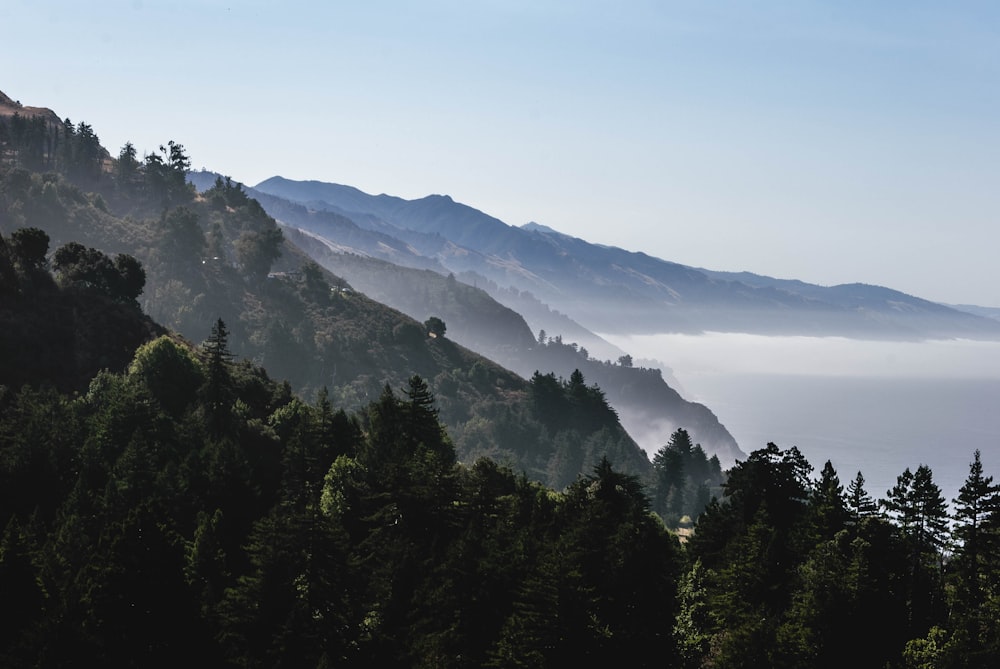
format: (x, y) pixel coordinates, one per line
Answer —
(219, 384)
(859, 503)
(976, 508)
(828, 508)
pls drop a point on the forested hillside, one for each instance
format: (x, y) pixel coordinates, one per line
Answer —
(218, 255)
(164, 502)
(647, 406)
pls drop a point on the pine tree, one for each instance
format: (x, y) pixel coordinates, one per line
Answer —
(828, 508)
(921, 515)
(219, 384)
(859, 503)
(670, 465)
(977, 504)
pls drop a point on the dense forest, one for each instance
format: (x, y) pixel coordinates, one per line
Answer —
(163, 501)
(219, 255)
(647, 406)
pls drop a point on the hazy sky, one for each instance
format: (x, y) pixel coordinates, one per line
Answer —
(826, 141)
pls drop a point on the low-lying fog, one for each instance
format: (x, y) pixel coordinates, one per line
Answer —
(872, 406)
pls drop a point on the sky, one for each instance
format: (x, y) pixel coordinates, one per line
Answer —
(832, 142)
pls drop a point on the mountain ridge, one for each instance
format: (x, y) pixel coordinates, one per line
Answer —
(219, 257)
(606, 286)
(497, 332)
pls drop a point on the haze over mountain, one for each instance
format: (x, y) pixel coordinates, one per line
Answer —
(389, 270)
(220, 255)
(605, 288)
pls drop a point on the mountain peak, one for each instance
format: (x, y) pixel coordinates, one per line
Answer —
(532, 226)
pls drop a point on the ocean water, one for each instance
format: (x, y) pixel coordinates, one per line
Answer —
(873, 407)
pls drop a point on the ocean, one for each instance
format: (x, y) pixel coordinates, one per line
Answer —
(873, 407)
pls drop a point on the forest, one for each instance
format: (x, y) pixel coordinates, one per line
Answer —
(164, 501)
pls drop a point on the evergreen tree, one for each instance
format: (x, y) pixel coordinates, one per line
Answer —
(920, 512)
(976, 509)
(828, 508)
(218, 389)
(859, 503)
(670, 464)
(127, 168)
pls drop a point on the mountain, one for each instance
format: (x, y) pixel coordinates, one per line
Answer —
(648, 407)
(385, 269)
(183, 507)
(985, 312)
(194, 260)
(608, 289)
(488, 319)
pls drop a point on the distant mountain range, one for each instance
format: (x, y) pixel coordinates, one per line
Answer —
(493, 320)
(562, 287)
(605, 289)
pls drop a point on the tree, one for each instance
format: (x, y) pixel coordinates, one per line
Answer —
(898, 501)
(316, 285)
(170, 372)
(828, 508)
(977, 504)
(181, 236)
(921, 515)
(121, 279)
(87, 159)
(435, 326)
(256, 251)
(669, 467)
(625, 566)
(127, 167)
(177, 159)
(918, 507)
(218, 387)
(693, 618)
(859, 503)
(30, 246)
(165, 175)
(132, 278)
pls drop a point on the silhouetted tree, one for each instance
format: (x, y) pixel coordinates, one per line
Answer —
(435, 326)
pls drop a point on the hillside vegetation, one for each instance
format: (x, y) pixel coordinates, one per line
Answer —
(219, 255)
(165, 503)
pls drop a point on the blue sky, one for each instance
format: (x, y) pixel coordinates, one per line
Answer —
(826, 141)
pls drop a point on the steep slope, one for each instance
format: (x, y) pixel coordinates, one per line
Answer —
(605, 288)
(649, 409)
(219, 255)
(61, 336)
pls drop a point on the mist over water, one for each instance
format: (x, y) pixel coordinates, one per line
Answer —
(874, 406)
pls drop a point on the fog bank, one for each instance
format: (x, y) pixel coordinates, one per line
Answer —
(734, 353)
(875, 407)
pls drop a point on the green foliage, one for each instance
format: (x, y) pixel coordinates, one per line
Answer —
(160, 526)
(435, 326)
(29, 247)
(164, 176)
(170, 372)
(256, 251)
(121, 279)
(860, 504)
(182, 239)
(186, 494)
(684, 478)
